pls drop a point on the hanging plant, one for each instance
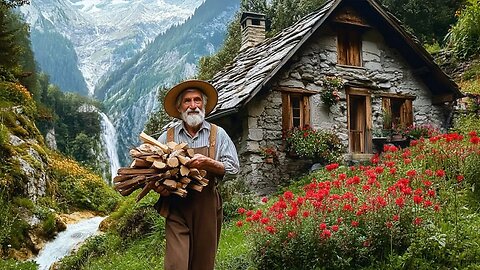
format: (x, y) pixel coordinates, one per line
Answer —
(331, 89)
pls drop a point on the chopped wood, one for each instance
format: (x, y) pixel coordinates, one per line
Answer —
(121, 178)
(145, 190)
(140, 163)
(159, 167)
(170, 183)
(171, 145)
(184, 170)
(185, 180)
(136, 171)
(172, 162)
(181, 146)
(183, 160)
(195, 187)
(145, 138)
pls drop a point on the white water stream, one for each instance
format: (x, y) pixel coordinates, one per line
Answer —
(65, 241)
(109, 138)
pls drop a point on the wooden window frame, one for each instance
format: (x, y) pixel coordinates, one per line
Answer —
(349, 46)
(287, 109)
(405, 113)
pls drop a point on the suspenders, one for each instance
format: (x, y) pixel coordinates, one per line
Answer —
(212, 139)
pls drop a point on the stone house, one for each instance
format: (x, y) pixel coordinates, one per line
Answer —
(276, 84)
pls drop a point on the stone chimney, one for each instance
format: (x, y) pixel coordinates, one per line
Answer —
(253, 29)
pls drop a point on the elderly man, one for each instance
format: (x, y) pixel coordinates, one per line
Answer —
(193, 223)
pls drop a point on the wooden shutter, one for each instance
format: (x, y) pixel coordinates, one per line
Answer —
(306, 111)
(342, 47)
(406, 113)
(287, 120)
(354, 49)
(387, 112)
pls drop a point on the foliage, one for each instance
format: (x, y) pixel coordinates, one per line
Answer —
(321, 146)
(429, 20)
(331, 87)
(93, 247)
(12, 264)
(465, 123)
(421, 131)
(209, 65)
(79, 188)
(464, 37)
(408, 209)
(235, 194)
(134, 228)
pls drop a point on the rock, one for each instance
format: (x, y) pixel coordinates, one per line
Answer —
(15, 141)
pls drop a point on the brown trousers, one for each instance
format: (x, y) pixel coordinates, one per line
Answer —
(193, 228)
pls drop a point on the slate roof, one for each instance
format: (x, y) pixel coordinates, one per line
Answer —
(253, 68)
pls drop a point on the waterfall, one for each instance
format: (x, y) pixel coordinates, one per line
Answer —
(66, 241)
(109, 138)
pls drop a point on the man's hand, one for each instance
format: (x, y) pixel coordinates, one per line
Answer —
(202, 162)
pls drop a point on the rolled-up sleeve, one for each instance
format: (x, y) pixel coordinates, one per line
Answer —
(226, 152)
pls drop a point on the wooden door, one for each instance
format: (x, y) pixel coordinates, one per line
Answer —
(359, 117)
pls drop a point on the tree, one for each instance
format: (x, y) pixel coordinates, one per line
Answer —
(429, 20)
(464, 37)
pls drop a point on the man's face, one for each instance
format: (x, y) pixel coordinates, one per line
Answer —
(191, 107)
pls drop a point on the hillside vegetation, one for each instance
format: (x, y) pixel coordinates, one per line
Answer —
(412, 208)
(38, 183)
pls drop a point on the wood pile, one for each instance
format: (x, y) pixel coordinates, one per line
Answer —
(159, 166)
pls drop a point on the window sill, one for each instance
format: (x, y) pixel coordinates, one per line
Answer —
(350, 67)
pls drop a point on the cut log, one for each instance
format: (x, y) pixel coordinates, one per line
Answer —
(159, 165)
(195, 187)
(122, 171)
(203, 173)
(184, 170)
(180, 192)
(130, 183)
(120, 178)
(190, 152)
(145, 190)
(140, 163)
(172, 145)
(185, 180)
(146, 138)
(172, 162)
(183, 160)
(170, 184)
(181, 146)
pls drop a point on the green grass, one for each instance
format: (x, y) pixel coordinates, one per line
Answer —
(233, 248)
(141, 254)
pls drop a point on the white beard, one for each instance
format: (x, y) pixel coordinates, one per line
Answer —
(193, 120)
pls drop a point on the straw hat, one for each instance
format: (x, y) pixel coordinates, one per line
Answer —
(205, 87)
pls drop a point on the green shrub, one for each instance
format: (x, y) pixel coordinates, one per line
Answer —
(12, 264)
(235, 195)
(321, 146)
(94, 247)
(464, 36)
(466, 123)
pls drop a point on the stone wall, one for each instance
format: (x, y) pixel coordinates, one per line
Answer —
(383, 71)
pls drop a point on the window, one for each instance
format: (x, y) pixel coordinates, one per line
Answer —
(295, 110)
(349, 47)
(397, 112)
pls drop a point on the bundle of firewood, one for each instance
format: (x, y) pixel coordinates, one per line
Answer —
(159, 166)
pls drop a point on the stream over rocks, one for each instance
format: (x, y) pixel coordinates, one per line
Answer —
(66, 241)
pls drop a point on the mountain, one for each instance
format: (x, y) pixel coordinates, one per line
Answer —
(129, 92)
(76, 42)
